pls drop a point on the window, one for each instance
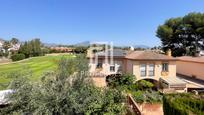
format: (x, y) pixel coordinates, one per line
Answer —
(143, 69)
(99, 65)
(112, 68)
(165, 67)
(151, 69)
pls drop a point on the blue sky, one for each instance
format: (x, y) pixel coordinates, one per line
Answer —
(124, 22)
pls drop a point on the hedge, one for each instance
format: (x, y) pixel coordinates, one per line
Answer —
(183, 104)
(17, 57)
(149, 96)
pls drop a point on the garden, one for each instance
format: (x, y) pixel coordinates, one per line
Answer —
(143, 91)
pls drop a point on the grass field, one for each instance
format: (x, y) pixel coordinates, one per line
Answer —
(37, 66)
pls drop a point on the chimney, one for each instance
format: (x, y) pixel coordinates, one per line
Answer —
(168, 53)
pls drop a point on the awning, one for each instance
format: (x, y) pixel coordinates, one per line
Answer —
(173, 82)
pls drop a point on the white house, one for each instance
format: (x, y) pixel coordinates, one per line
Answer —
(1, 44)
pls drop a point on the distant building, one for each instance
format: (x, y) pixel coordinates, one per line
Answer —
(1, 44)
(15, 47)
(146, 65)
(62, 49)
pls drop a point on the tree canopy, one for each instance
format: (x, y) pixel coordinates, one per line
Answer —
(14, 41)
(6, 45)
(31, 48)
(183, 35)
(67, 91)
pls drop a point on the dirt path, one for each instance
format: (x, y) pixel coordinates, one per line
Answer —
(2, 61)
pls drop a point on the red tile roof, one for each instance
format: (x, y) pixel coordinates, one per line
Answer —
(191, 59)
(148, 55)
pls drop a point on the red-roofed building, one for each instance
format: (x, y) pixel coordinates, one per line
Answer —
(63, 49)
(143, 64)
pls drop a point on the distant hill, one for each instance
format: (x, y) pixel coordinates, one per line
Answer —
(141, 46)
(85, 43)
(2, 39)
(50, 44)
(89, 43)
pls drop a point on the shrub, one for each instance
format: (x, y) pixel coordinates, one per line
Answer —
(6, 54)
(139, 96)
(147, 96)
(183, 104)
(17, 57)
(153, 96)
(144, 84)
(1, 53)
(118, 80)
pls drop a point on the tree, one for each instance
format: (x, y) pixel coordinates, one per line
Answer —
(183, 35)
(31, 48)
(80, 49)
(68, 90)
(25, 49)
(14, 41)
(36, 47)
(6, 45)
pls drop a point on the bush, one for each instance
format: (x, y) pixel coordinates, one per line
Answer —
(6, 54)
(183, 104)
(123, 82)
(153, 96)
(144, 84)
(139, 96)
(17, 57)
(45, 51)
(147, 96)
(1, 53)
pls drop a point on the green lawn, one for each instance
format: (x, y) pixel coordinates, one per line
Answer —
(37, 66)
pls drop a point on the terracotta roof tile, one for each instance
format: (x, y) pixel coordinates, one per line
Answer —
(192, 59)
(147, 55)
(137, 55)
